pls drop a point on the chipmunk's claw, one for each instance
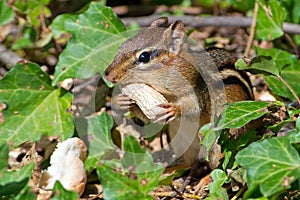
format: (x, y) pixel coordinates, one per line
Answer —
(124, 102)
(168, 114)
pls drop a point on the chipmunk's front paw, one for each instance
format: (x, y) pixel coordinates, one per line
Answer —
(123, 101)
(169, 113)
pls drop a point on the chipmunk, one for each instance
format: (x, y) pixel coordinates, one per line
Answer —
(192, 79)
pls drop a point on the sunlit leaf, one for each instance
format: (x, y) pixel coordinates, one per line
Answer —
(272, 165)
(95, 40)
(216, 191)
(6, 13)
(100, 142)
(14, 184)
(238, 114)
(269, 20)
(58, 28)
(242, 5)
(294, 135)
(33, 9)
(289, 67)
(259, 65)
(34, 107)
(61, 193)
(3, 157)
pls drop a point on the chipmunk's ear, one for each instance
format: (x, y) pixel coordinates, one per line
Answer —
(160, 22)
(173, 37)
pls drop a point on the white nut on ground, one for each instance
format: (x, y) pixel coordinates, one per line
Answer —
(67, 166)
(146, 98)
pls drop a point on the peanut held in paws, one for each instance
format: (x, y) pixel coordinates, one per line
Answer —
(146, 98)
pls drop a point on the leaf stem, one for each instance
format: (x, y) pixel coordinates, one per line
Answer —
(290, 88)
(288, 37)
(238, 194)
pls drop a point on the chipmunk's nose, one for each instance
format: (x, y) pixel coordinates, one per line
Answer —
(110, 76)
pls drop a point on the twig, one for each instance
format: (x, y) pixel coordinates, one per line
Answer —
(161, 194)
(292, 44)
(191, 196)
(176, 192)
(200, 21)
(8, 57)
(290, 88)
(252, 30)
(238, 194)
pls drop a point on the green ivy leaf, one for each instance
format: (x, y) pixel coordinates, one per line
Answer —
(35, 13)
(289, 66)
(137, 157)
(270, 17)
(60, 193)
(259, 65)
(272, 165)
(131, 178)
(227, 156)
(210, 136)
(235, 144)
(293, 14)
(6, 13)
(58, 29)
(216, 191)
(238, 114)
(167, 179)
(234, 115)
(282, 59)
(98, 131)
(294, 135)
(27, 39)
(34, 107)
(242, 5)
(24, 7)
(14, 184)
(33, 9)
(275, 128)
(3, 157)
(95, 39)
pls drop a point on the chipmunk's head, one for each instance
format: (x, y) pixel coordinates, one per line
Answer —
(146, 51)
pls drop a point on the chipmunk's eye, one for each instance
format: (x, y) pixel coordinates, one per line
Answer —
(144, 57)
